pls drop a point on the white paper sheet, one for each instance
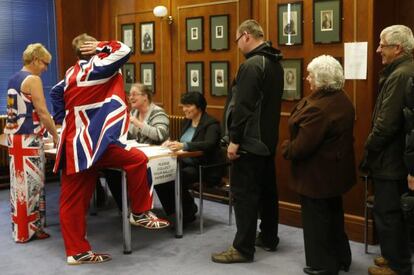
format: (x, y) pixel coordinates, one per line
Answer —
(356, 58)
(155, 151)
(163, 169)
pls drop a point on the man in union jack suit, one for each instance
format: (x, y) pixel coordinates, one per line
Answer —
(90, 105)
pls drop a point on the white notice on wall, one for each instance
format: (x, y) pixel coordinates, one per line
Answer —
(163, 169)
(355, 64)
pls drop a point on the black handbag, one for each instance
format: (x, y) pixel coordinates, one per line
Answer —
(407, 206)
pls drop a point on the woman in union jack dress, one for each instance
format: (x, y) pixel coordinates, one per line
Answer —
(27, 120)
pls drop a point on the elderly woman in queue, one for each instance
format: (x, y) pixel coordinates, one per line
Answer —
(323, 165)
(148, 124)
(201, 132)
(27, 119)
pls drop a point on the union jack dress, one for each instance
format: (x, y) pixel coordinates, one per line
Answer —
(27, 161)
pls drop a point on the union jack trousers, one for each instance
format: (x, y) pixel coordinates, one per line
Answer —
(27, 174)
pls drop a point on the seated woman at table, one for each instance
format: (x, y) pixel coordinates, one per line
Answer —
(200, 132)
(148, 124)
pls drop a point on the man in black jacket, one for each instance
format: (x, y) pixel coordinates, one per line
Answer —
(252, 118)
(385, 145)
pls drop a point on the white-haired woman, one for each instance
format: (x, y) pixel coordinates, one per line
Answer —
(323, 165)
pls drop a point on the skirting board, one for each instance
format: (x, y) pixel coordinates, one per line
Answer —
(290, 214)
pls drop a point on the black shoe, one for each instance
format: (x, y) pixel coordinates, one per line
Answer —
(188, 219)
(259, 243)
(344, 267)
(314, 271)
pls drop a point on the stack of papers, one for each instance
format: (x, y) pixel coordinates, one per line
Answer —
(155, 151)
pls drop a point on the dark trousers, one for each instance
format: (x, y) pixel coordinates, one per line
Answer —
(326, 243)
(165, 192)
(390, 224)
(253, 186)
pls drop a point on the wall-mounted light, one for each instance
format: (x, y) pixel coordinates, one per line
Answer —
(161, 12)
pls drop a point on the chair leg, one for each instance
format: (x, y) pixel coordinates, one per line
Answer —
(366, 229)
(200, 193)
(230, 199)
(366, 216)
(126, 226)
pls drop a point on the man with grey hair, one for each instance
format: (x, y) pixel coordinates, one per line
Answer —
(384, 150)
(252, 117)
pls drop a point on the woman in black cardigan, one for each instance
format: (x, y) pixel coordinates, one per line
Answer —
(201, 132)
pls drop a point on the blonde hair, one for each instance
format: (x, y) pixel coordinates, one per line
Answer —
(143, 89)
(78, 41)
(35, 51)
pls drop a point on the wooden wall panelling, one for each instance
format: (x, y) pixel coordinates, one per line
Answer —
(161, 56)
(182, 9)
(74, 18)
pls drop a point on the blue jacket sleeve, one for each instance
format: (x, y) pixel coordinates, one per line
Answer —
(58, 102)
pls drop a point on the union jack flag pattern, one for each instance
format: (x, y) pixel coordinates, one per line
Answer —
(90, 105)
(26, 158)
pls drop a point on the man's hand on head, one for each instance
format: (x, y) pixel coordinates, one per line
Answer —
(89, 47)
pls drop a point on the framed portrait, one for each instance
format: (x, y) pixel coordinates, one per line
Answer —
(219, 32)
(194, 76)
(194, 34)
(128, 72)
(292, 79)
(148, 75)
(327, 21)
(128, 35)
(147, 37)
(219, 78)
(290, 23)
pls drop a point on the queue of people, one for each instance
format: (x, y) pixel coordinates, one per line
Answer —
(90, 104)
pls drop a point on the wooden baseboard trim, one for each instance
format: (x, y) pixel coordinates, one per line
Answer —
(290, 214)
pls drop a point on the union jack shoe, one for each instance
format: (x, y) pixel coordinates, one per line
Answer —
(148, 220)
(88, 258)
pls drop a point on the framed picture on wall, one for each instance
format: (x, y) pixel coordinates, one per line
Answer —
(194, 34)
(194, 76)
(219, 78)
(219, 32)
(327, 21)
(293, 79)
(147, 37)
(128, 72)
(148, 75)
(290, 18)
(128, 35)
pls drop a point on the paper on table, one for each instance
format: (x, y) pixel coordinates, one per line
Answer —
(134, 143)
(51, 151)
(149, 151)
(155, 151)
(356, 60)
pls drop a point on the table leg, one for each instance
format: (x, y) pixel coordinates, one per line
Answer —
(178, 205)
(126, 226)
